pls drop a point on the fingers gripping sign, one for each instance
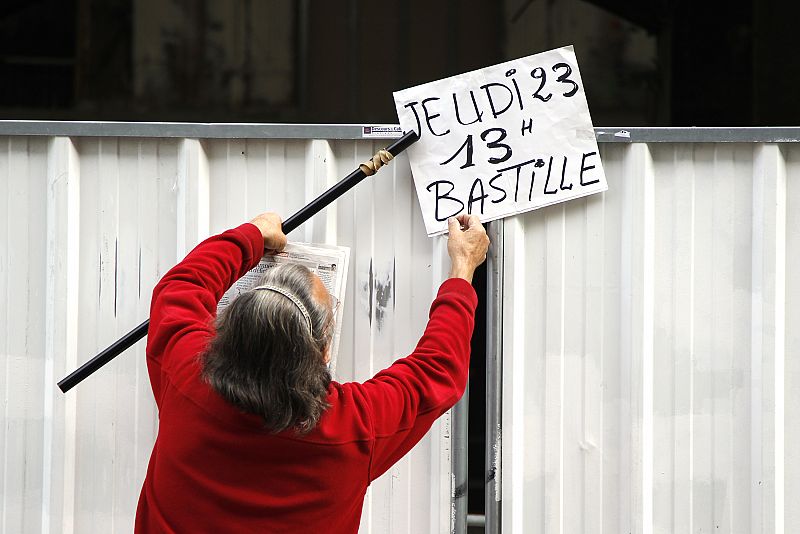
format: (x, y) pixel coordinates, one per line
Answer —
(467, 245)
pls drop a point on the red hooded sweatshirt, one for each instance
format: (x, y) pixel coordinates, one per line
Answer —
(216, 469)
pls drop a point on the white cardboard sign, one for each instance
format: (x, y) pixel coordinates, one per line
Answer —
(501, 140)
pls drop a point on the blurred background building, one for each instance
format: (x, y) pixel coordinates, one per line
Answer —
(652, 62)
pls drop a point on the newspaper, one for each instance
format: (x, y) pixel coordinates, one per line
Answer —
(329, 262)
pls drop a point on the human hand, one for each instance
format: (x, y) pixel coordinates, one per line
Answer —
(467, 245)
(270, 225)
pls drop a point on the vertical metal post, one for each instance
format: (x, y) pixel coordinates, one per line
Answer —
(302, 10)
(663, 111)
(451, 39)
(494, 377)
(354, 60)
(460, 461)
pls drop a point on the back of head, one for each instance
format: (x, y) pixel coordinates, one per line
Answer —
(267, 357)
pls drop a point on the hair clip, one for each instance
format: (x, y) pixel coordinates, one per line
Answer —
(293, 298)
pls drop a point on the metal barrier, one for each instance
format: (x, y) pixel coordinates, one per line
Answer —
(639, 370)
(93, 219)
(647, 343)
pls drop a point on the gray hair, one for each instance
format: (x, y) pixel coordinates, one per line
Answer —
(265, 359)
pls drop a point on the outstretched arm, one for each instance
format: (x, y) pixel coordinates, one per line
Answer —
(409, 396)
(185, 300)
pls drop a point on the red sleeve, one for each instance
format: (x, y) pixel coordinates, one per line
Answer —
(185, 300)
(409, 396)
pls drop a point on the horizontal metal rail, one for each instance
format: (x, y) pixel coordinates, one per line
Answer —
(197, 130)
(788, 134)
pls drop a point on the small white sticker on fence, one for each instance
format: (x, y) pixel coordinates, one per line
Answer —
(381, 132)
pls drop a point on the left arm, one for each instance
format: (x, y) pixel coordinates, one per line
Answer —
(185, 300)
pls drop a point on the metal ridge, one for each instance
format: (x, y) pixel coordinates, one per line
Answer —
(782, 134)
(692, 134)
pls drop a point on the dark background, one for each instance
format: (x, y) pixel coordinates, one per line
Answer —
(648, 62)
(643, 63)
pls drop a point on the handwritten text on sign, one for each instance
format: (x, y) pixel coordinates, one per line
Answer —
(501, 140)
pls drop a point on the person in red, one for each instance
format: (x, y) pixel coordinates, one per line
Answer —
(254, 436)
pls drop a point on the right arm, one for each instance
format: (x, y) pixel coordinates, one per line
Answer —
(409, 396)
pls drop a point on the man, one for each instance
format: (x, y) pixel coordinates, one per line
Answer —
(253, 434)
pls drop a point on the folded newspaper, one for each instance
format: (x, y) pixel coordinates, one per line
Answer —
(329, 262)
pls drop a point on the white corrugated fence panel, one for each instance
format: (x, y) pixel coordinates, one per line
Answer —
(649, 379)
(23, 287)
(649, 383)
(92, 223)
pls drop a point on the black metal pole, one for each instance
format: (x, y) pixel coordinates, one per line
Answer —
(305, 213)
(342, 186)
